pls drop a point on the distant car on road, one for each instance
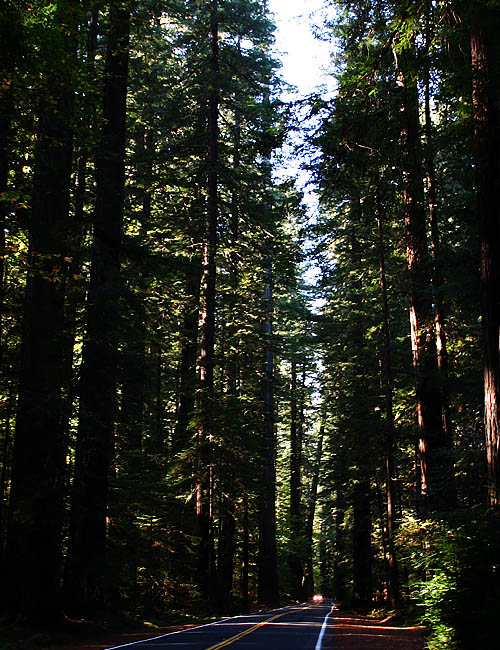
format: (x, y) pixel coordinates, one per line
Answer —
(318, 598)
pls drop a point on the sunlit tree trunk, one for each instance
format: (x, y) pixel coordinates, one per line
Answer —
(436, 474)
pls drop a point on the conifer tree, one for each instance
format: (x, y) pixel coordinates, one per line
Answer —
(85, 570)
(33, 553)
(484, 59)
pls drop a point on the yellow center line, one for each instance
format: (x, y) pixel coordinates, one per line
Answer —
(237, 637)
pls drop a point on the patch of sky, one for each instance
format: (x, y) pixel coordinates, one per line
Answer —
(306, 68)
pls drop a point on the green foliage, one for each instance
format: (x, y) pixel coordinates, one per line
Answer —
(450, 562)
(429, 547)
(455, 582)
(360, 176)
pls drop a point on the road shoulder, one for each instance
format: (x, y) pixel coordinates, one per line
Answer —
(351, 631)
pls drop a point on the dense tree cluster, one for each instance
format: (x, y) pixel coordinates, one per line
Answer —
(185, 423)
(143, 237)
(406, 240)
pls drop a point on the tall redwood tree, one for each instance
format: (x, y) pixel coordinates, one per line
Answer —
(33, 552)
(485, 77)
(85, 573)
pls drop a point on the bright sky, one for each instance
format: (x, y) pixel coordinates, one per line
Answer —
(304, 57)
(306, 61)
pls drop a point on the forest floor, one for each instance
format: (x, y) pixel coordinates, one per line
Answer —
(84, 635)
(356, 632)
(111, 640)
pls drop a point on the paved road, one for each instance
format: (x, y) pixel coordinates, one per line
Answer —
(300, 627)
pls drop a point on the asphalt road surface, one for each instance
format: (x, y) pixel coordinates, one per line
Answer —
(299, 627)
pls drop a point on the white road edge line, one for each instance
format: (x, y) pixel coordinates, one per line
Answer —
(162, 636)
(198, 627)
(323, 630)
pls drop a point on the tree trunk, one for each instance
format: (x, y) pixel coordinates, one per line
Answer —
(186, 405)
(6, 109)
(295, 553)
(128, 485)
(227, 541)
(268, 590)
(85, 577)
(437, 279)
(5, 467)
(362, 530)
(245, 556)
(189, 356)
(487, 142)
(308, 590)
(77, 232)
(33, 553)
(339, 560)
(326, 569)
(435, 454)
(13, 39)
(206, 555)
(387, 383)
(226, 550)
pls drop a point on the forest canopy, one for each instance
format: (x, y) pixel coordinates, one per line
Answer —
(188, 422)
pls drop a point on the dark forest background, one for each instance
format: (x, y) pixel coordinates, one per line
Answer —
(187, 423)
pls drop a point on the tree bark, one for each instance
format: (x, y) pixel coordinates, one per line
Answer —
(295, 552)
(487, 143)
(77, 232)
(362, 529)
(5, 467)
(6, 109)
(189, 356)
(36, 510)
(387, 383)
(245, 556)
(339, 560)
(204, 506)
(436, 474)
(85, 575)
(268, 590)
(308, 590)
(226, 551)
(227, 539)
(437, 278)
